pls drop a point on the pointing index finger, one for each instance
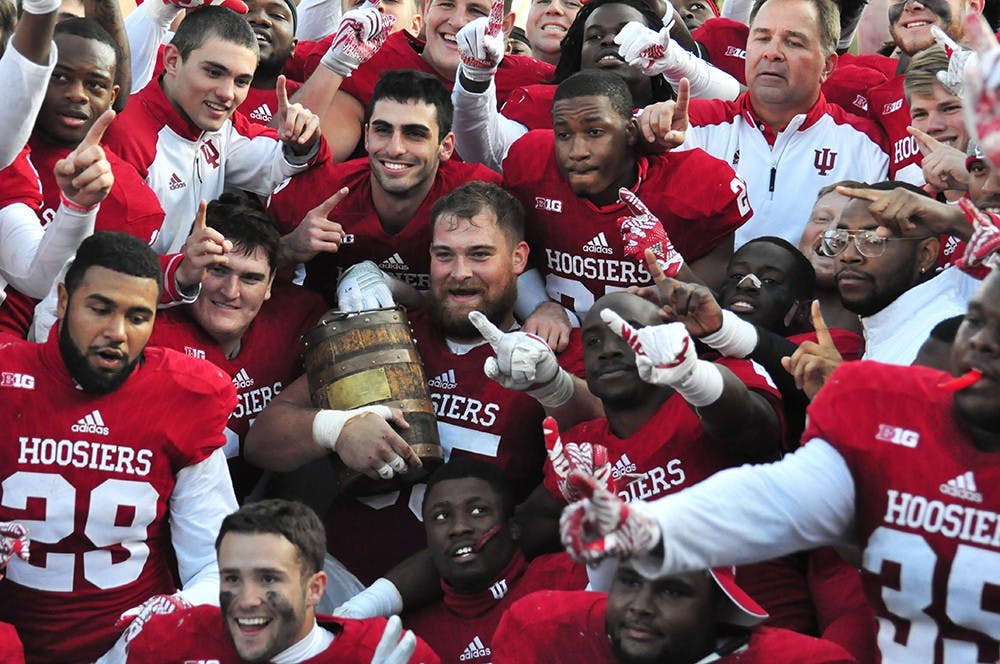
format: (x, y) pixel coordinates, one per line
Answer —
(925, 141)
(200, 224)
(861, 192)
(282, 92)
(490, 332)
(96, 132)
(822, 331)
(496, 18)
(326, 207)
(622, 328)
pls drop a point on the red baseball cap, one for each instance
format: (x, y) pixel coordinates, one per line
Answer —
(742, 609)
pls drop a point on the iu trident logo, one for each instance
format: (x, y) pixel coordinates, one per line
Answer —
(824, 161)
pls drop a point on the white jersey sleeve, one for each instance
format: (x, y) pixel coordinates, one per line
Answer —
(202, 497)
(482, 134)
(147, 27)
(24, 84)
(755, 512)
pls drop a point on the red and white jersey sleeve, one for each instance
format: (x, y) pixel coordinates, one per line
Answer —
(93, 477)
(183, 164)
(199, 634)
(404, 254)
(888, 107)
(816, 149)
(926, 510)
(476, 417)
(577, 245)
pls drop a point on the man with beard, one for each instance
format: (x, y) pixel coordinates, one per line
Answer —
(687, 618)
(899, 461)
(271, 566)
(384, 215)
(477, 252)
(120, 494)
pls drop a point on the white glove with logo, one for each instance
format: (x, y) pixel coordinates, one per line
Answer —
(524, 363)
(359, 36)
(136, 618)
(959, 58)
(364, 286)
(481, 44)
(665, 355)
(587, 458)
(981, 91)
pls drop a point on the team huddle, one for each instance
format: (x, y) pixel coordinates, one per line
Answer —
(700, 355)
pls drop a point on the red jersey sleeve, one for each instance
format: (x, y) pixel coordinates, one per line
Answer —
(843, 613)
(20, 183)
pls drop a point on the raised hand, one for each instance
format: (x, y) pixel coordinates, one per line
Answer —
(360, 34)
(602, 525)
(645, 49)
(943, 166)
(908, 213)
(691, 304)
(298, 127)
(813, 362)
(481, 44)
(664, 354)
(641, 230)
(315, 234)
(665, 123)
(395, 646)
(981, 92)
(982, 249)
(364, 286)
(84, 176)
(590, 459)
(953, 78)
(202, 249)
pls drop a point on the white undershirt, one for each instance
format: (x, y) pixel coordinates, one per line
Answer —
(315, 642)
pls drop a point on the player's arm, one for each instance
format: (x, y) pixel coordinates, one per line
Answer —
(539, 519)
(711, 268)
(109, 14)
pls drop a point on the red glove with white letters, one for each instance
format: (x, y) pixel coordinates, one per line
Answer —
(982, 251)
(602, 525)
(642, 230)
(133, 620)
(13, 542)
(587, 458)
(359, 36)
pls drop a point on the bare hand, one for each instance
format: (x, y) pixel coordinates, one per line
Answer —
(202, 249)
(910, 214)
(550, 322)
(691, 304)
(315, 233)
(665, 123)
(368, 445)
(298, 127)
(812, 363)
(943, 166)
(85, 176)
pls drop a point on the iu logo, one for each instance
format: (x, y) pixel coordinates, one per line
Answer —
(824, 161)
(211, 153)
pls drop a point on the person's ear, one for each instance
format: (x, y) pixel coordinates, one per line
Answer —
(927, 254)
(632, 132)
(447, 147)
(172, 59)
(62, 304)
(315, 588)
(514, 526)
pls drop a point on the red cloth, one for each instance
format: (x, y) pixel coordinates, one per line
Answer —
(578, 245)
(531, 105)
(11, 650)
(460, 627)
(925, 508)
(92, 477)
(887, 106)
(19, 182)
(725, 41)
(850, 345)
(845, 616)
(568, 627)
(199, 634)
(404, 255)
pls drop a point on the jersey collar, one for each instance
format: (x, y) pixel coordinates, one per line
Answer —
(800, 122)
(471, 605)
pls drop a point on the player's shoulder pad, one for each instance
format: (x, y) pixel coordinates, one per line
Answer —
(192, 375)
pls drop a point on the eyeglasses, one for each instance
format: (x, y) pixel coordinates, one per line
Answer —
(834, 241)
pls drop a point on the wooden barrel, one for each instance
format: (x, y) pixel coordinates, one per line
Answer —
(369, 358)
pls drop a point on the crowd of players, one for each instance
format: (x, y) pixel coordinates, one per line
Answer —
(704, 303)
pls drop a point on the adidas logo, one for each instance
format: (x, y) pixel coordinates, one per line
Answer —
(623, 466)
(242, 380)
(92, 423)
(475, 649)
(963, 486)
(262, 113)
(394, 262)
(176, 183)
(445, 381)
(598, 245)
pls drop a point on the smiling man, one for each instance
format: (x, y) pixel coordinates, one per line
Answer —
(273, 23)
(385, 215)
(271, 568)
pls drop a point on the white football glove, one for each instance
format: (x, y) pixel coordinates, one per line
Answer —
(953, 78)
(665, 355)
(13, 542)
(587, 458)
(364, 286)
(359, 36)
(481, 44)
(392, 649)
(981, 91)
(524, 363)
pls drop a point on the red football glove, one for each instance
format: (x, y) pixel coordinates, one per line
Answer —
(643, 231)
(235, 5)
(981, 251)
(13, 542)
(133, 620)
(587, 458)
(602, 525)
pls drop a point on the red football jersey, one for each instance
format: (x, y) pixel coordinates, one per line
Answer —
(19, 182)
(926, 514)
(459, 627)
(261, 104)
(531, 105)
(199, 634)
(402, 51)
(130, 207)
(92, 476)
(887, 106)
(405, 255)
(568, 627)
(725, 41)
(577, 245)
(270, 357)
(476, 417)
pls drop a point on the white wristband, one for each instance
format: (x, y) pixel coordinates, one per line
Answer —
(703, 386)
(707, 82)
(381, 598)
(556, 392)
(40, 7)
(736, 337)
(327, 424)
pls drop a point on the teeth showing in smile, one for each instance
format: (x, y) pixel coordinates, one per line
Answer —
(449, 38)
(554, 28)
(917, 24)
(394, 166)
(252, 622)
(214, 106)
(464, 551)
